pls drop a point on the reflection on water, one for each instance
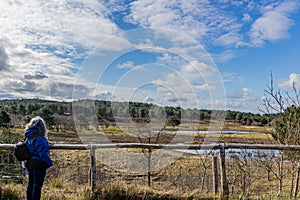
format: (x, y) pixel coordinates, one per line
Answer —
(230, 153)
(209, 132)
(249, 154)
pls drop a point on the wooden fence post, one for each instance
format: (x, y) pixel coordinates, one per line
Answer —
(224, 185)
(93, 174)
(215, 174)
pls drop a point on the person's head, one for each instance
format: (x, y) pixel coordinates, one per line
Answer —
(39, 124)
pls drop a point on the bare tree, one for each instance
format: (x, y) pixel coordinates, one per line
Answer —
(286, 127)
(149, 130)
(205, 163)
(244, 174)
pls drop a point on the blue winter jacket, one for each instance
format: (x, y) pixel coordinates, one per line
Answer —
(39, 147)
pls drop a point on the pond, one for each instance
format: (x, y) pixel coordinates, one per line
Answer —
(242, 154)
(209, 132)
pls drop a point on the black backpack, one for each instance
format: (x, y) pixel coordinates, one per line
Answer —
(21, 149)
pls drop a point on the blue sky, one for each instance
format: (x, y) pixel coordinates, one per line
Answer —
(200, 54)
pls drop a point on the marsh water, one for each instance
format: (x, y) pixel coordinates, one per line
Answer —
(240, 153)
(209, 132)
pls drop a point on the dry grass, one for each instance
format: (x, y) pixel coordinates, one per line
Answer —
(237, 136)
(71, 181)
(119, 189)
(179, 180)
(12, 191)
(235, 126)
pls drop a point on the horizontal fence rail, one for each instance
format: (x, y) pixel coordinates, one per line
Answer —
(224, 178)
(167, 146)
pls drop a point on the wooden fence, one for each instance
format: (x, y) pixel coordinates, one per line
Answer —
(223, 189)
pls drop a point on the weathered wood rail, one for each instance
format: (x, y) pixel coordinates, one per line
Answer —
(224, 192)
(168, 146)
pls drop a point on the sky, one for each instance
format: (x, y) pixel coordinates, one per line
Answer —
(201, 54)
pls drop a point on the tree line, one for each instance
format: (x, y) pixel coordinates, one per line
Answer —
(58, 115)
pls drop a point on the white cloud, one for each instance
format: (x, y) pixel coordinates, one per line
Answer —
(287, 84)
(104, 95)
(212, 23)
(54, 23)
(224, 56)
(228, 39)
(197, 19)
(246, 17)
(189, 79)
(274, 24)
(63, 25)
(114, 43)
(43, 39)
(3, 59)
(232, 77)
(196, 70)
(43, 42)
(170, 60)
(246, 91)
(189, 86)
(131, 65)
(149, 99)
(126, 65)
(243, 100)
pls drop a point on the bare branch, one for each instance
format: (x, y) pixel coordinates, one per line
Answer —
(297, 94)
(274, 95)
(295, 101)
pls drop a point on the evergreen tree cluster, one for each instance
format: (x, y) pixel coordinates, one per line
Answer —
(58, 115)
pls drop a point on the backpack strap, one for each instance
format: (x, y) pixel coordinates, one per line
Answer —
(32, 136)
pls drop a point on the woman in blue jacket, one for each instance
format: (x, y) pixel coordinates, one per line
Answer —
(40, 160)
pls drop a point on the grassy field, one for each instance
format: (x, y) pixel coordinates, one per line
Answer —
(176, 181)
(188, 177)
(122, 134)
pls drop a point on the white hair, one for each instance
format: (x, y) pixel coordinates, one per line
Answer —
(39, 124)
